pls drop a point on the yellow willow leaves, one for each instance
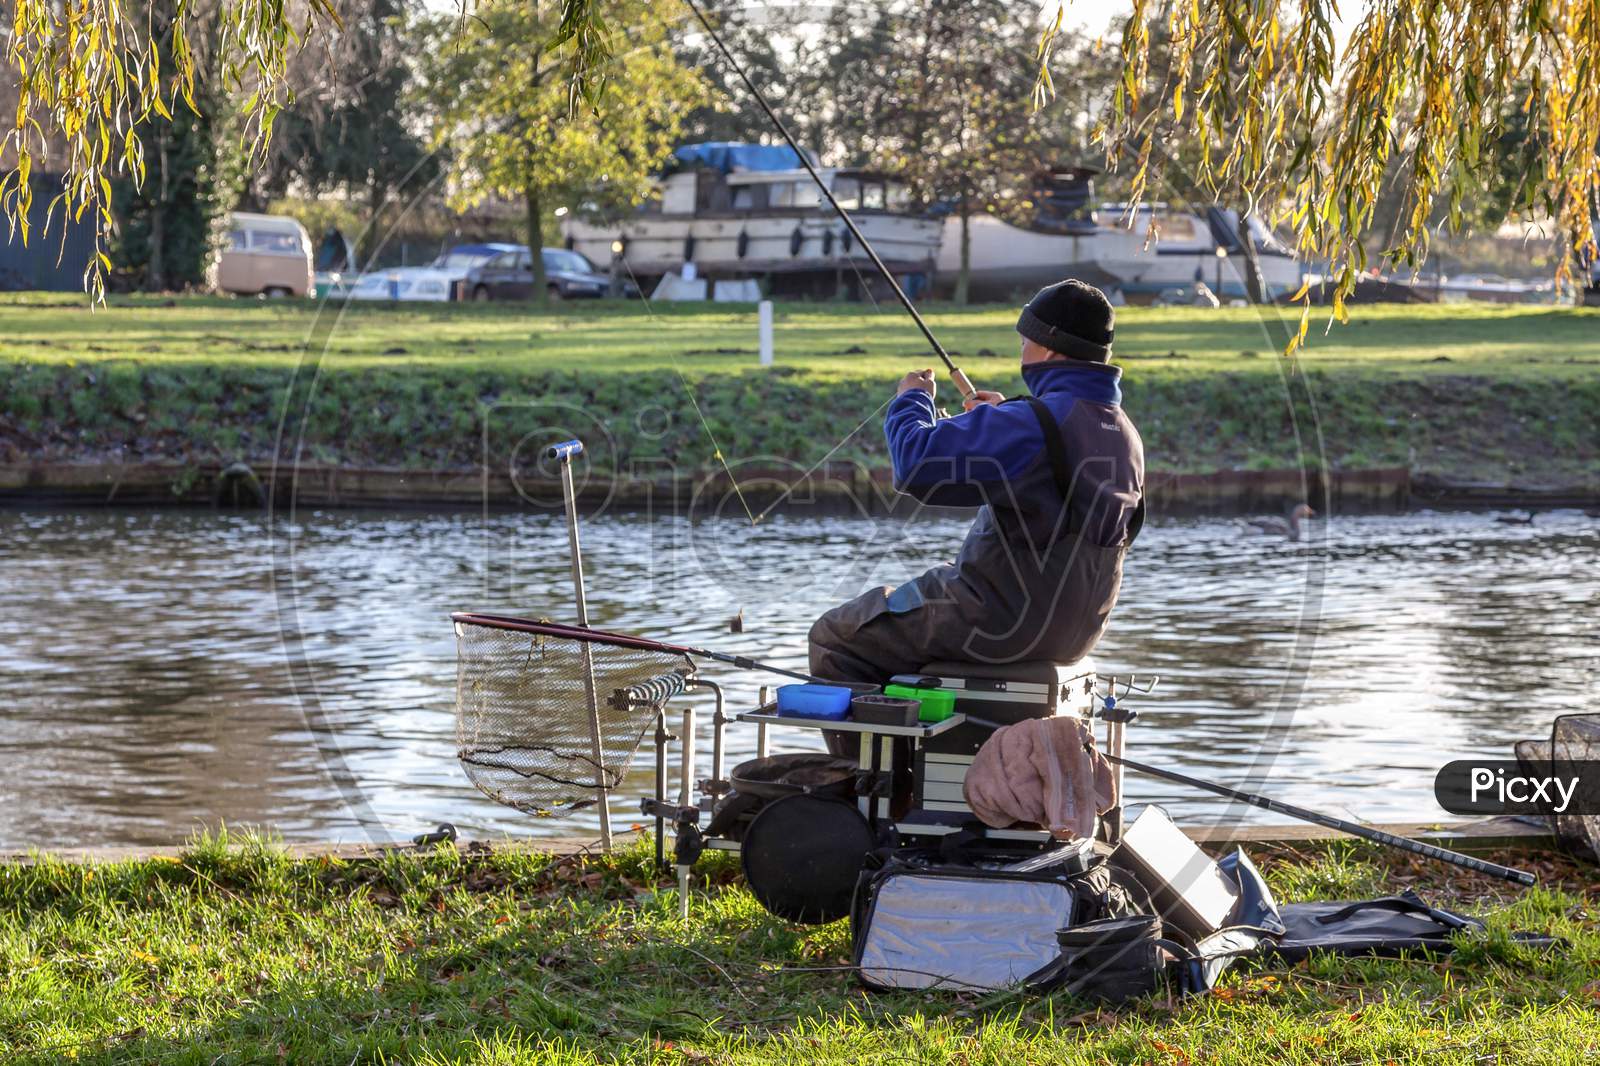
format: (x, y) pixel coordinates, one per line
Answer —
(87, 71)
(1423, 93)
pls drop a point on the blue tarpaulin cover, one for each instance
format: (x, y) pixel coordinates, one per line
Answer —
(731, 156)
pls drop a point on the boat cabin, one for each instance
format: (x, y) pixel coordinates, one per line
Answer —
(1062, 199)
(742, 218)
(706, 192)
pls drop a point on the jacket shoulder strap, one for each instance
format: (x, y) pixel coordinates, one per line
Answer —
(1054, 446)
(1061, 466)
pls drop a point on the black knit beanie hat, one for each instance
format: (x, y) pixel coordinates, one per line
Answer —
(1071, 318)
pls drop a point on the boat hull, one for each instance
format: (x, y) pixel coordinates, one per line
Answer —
(1009, 262)
(785, 247)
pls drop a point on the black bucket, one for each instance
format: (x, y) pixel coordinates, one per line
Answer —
(799, 773)
(1114, 959)
(803, 855)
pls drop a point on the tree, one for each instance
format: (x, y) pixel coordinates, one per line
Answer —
(88, 73)
(167, 224)
(1307, 131)
(352, 124)
(507, 115)
(1424, 94)
(938, 92)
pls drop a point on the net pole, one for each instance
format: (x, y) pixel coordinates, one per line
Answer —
(661, 788)
(564, 453)
(686, 798)
(761, 727)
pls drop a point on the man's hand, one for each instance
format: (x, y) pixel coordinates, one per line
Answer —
(982, 396)
(917, 379)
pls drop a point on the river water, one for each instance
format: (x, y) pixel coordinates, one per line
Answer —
(167, 669)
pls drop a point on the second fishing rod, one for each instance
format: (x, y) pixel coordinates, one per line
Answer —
(962, 383)
(627, 640)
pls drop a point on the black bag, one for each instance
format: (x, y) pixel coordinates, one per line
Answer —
(1384, 927)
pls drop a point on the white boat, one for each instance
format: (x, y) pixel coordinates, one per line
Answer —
(745, 211)
(1112, 247)
(1491, 288)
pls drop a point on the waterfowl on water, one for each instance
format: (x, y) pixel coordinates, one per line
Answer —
(1516, 520)
(1288, 528)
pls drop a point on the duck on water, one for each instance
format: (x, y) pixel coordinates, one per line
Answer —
(1287, 527)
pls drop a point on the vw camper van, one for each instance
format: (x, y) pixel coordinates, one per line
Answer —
(266, 255)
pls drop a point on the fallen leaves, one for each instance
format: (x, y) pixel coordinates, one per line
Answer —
(1175, 1054)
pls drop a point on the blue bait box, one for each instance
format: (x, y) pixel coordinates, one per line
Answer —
(830, 702)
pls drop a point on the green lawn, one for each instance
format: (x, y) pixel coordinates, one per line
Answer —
(243, 955)
(1463, 390)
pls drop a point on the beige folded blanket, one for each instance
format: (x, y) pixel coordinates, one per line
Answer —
(1041, 770)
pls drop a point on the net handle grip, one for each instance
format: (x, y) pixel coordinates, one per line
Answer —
(565, 451)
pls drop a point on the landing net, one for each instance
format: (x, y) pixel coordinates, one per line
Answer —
(1574, 741)
(1575, 738)
(543, 721)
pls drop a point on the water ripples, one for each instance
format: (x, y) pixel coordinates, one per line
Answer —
(172, 668)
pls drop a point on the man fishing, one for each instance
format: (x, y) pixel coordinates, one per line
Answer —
(1059, 476)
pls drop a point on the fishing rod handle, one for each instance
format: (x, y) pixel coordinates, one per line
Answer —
(963, 383)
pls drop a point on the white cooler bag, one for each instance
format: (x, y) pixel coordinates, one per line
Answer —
(967, 930)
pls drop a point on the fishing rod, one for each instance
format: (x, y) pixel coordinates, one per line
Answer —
(1328, 821)
(962, 383)
(1377, 836)
(620, 640)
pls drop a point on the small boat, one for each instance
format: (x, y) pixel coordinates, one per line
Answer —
(1143, 253)
(737, 212)
(1492, 288)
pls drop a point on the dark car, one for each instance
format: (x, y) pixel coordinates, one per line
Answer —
(509, 276)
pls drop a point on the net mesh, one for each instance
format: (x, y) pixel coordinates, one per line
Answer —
(524, 725)
(1574, 738)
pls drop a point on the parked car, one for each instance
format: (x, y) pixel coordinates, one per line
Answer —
(461, 258)
(266, 255)
(509, 276)
(432, 283)
(425, 283)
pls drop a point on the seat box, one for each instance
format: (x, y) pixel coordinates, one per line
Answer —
(1005, 694)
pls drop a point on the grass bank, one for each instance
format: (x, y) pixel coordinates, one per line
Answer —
(1465, 392)
(245, 955)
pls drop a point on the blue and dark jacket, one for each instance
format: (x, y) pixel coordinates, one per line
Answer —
(1040, 569)
(998, 455)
